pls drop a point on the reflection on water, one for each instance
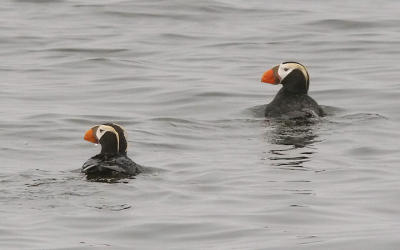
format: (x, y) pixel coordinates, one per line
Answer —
(292, 142)
(109, 179)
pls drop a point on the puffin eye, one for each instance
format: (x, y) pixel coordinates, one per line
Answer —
(285, 69)
(101, 130)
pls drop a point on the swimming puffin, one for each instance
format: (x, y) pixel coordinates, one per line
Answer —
(112, 160)
(292, 100)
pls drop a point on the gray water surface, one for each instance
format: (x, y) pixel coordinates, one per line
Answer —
(183, 77)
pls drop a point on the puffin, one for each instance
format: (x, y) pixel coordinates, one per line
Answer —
(292, 100)
(112, 160)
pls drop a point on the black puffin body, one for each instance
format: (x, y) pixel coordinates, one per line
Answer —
(113, 159)
(292, 100)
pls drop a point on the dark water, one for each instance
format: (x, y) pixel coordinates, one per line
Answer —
(183, 78)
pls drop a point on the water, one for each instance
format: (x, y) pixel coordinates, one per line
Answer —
(183, 77)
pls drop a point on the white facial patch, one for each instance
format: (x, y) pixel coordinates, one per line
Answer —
(283, 71)
(102, 129)
(286, 68)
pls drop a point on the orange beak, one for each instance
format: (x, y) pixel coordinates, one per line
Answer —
(89, 136)
(271, 76)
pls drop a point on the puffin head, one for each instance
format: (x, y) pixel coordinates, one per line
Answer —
(110, 136)
(292, 75)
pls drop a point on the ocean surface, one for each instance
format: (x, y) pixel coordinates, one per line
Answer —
(183, 77)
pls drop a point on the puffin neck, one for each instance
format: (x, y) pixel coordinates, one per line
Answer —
(295, 83)
(109, 144)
